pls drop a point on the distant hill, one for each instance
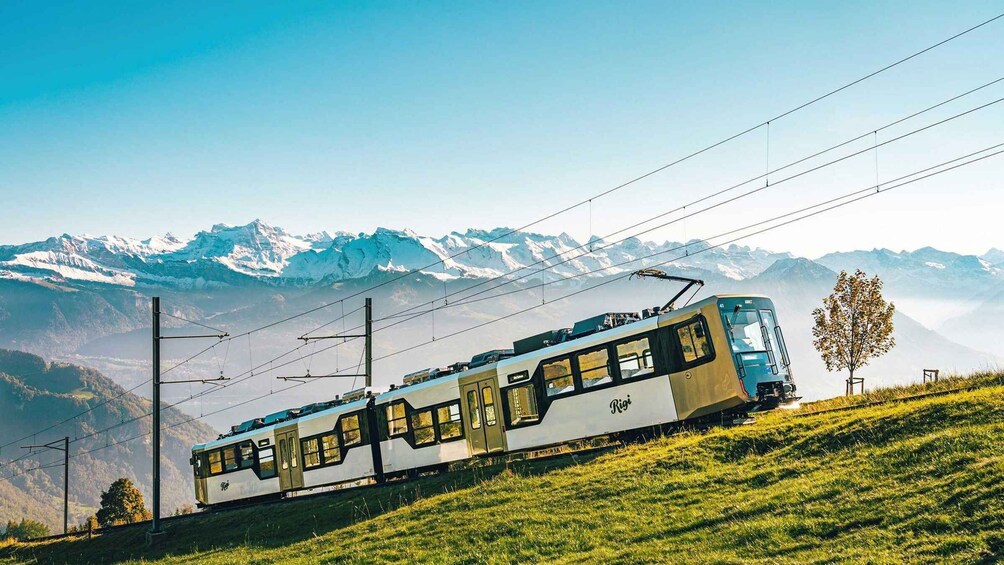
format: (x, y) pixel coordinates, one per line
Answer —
(914, 481)
(35, 394)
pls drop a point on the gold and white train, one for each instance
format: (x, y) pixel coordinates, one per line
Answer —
(611, 374)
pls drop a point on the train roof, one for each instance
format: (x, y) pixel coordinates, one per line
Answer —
(238, 438)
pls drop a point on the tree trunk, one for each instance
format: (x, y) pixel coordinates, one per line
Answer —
(850, 383)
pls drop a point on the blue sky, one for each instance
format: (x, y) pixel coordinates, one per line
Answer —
(141, 118)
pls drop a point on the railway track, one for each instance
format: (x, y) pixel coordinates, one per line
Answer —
(537, 455)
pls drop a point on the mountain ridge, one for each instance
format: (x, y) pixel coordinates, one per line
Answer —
(35, 393)
(260, 254)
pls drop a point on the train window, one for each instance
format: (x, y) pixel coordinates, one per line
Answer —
(311, 453)
(635, 358)
(449, 421)
(693, 341)
(197, 465)
(329, 445)
(594, 367)
(489, 403)
(522, 404)
(351, 435)
(397, 422)
(283, 454)
(745, 332)
(473, 409)
(247, 455)
(215, 463)
(425, 432)
(266, 463)
(230, 458)
(558, 377)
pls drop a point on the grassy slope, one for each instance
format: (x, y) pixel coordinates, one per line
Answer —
(916, 480)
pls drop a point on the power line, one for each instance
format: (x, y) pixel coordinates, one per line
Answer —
(870, 189)
(638, 178)
(470, 298)
(545, 266)
(194, 323)
(812, 210)
(831, 203)
(147, 381)
(57, 424)
(864, 193)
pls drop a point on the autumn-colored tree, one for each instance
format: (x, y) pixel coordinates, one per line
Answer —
(854, 325)
(90, 524)
(184, 510)
(122, 504)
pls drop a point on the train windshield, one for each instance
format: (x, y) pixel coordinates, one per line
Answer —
(756, 339)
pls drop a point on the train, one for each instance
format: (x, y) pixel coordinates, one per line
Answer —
(611, 374)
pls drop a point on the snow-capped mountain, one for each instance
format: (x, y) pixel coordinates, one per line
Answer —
(236, 255)
(923, 270)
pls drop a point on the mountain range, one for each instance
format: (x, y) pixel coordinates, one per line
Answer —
(258, 253)
(85, 299)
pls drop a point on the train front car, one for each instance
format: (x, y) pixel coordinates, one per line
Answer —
(758, 351)
(726, 355)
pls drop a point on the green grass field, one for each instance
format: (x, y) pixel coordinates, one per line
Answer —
(904, 480)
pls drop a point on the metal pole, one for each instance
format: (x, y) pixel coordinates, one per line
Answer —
(66, 482)
(66, 473)
(369, 342)
(155, 526)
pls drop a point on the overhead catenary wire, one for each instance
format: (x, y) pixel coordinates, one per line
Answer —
(547, 266)
(903, 180)
(467, 300)
(470, 299)
(831, 203)
(194, 323)
(857, 196)
(79, 414)
(809, 211)
(648, 174)
(731, 232)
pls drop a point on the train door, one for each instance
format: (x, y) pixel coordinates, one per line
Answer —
(483, 416)
(706, 383)
(287, 442)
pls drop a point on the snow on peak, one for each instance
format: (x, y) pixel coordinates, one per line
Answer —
(258, 250)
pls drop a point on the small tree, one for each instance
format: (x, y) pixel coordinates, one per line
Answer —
(122, 504)
(26, 529)
(854, 325)
(184, 510)
(91, 524)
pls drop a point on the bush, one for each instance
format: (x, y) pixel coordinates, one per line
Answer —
(26, 530)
